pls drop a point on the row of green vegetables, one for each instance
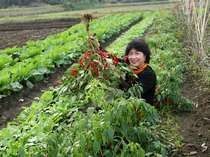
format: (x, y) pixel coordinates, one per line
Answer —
(169, 63)
(80, 124)
(10, 56)
(167, 57)
(69, 45)
(68, 126)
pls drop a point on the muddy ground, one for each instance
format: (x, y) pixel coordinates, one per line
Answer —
(195, 126)
(17, 34)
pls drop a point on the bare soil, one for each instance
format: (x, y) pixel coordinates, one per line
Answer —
(17, 34)
(195, 126)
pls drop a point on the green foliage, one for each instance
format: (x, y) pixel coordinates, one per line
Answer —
(51, 127)
(167, 57)
(99, 119)
(39, 58)
(169, 62)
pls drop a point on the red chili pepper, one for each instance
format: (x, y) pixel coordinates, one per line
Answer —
(115, 60)
(94, 69)
(103, 54)
(86, 55)
(81, 62)
(74, 72)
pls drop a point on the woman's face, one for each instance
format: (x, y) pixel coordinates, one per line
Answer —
(136, 58)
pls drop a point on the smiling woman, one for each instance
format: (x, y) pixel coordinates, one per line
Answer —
(137, 56)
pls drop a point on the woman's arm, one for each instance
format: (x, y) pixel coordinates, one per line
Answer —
(148, 81)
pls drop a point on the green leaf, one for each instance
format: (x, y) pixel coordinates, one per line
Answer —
(29, 84)
(141, 152)
(41, 71)
(16, 86)
(96, 147)
(21, 152)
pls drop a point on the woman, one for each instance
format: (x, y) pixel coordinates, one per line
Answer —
(137, 56)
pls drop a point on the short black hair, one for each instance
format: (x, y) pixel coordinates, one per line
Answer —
(139, 45)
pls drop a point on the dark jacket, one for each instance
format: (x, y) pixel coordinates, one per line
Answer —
(147, 79)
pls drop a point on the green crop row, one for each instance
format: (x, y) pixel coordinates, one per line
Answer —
(167, 57)
(168, 61)
(11, 56)
(138, 30)
(70, 125)
(69, 45)
(33, 48)
(99, 121)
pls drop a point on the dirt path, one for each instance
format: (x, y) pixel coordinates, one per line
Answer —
(195, 126)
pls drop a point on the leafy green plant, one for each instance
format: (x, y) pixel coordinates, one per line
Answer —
(33, 68)
(98, 120)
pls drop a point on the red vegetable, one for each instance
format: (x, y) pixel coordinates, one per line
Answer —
(74, 72)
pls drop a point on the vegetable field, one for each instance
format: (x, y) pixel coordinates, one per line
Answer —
(87, 115)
